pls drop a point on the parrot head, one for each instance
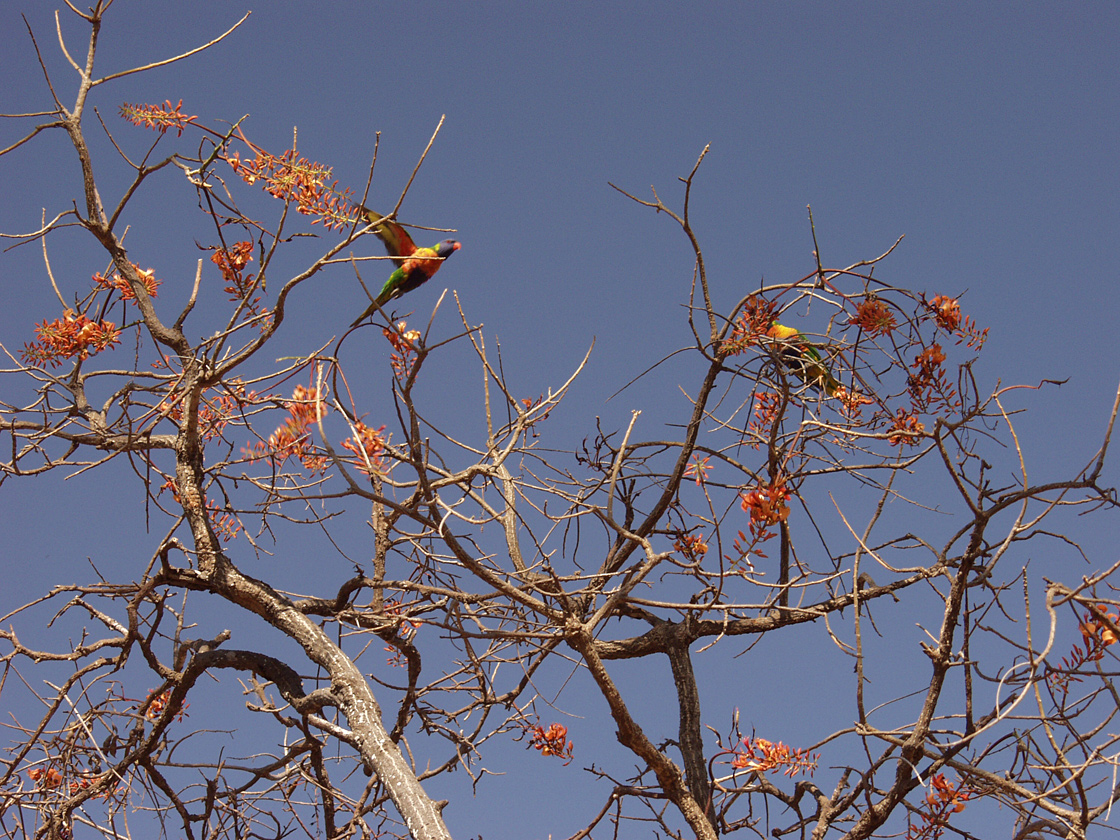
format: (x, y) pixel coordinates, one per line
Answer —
(447, 248)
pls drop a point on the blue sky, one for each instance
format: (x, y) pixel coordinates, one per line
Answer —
(984, 133)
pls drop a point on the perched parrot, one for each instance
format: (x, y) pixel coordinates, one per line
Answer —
(415, 266)
(803, 359)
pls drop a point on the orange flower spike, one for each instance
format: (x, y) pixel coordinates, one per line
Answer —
(160, 118)
(852, 400)
(763, 756)
(292, 439)
(753, 321)
(159, 703)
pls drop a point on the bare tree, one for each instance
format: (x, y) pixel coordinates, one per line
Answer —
(821, 411)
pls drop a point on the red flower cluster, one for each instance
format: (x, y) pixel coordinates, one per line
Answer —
(305, 182)
(763, 756)
(232, 260)
(552, 741)
(943, 800)
(928, 385)
(69, 336)
(698, 469)
(691, 545)
(929, 360)
(368, 446)
(48, 778)
(115, 281)
(906, 430)
(239, 286)
(1097, 635)
(766, 505)
(51, 779)
(404, 347)
(766, 406)
(158, 704)
(161, 118)
(293, 438)
(874, 317)
(947, 313)
(753, 322)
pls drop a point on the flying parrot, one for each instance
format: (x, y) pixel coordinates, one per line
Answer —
(415, 266)
(803, 359)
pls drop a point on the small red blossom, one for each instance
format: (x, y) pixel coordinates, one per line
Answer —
(531, 407)
(852, 401)
(531, 404)
(929, 386)
(691, 545)
(947, 314)
(698, 469)
(239, 286)
(225, 523)
(744, 547)
(79, 785)
(158, 703)
(233, 259)
(767, 507)
(767, 404)
(1096, 631)
(1097, 635)
(46, 778)
(406, 630)
(368, 445)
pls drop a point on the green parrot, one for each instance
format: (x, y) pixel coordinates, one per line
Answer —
(803, 359)
(415, 266)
